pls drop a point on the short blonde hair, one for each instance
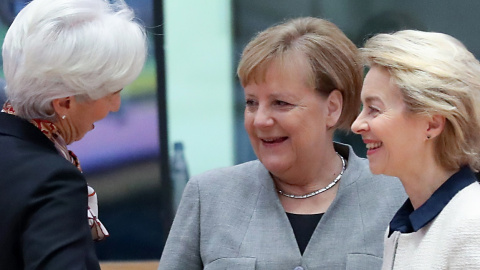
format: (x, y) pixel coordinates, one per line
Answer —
(437, 75)
(333, 60)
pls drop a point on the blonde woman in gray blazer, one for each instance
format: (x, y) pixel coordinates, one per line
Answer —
(307, 202)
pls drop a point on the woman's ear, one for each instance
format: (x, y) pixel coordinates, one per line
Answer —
(61, 105)
(436, 124)
(334, 108)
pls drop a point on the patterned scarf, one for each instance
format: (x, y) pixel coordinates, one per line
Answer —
(99, 232)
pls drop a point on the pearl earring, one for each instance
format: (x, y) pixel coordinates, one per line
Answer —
(63, 117)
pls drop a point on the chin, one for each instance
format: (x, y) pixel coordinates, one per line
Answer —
(80, 137)
(274, 166)
(375, 170)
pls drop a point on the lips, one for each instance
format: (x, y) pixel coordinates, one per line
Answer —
(273, 140)
(372, 146)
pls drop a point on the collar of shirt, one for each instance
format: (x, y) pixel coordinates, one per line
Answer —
(408, 220)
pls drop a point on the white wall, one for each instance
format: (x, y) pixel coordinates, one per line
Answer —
(199, 76)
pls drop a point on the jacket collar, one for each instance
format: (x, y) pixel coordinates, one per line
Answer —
(11, 125)
(353, 171)
(408, 220)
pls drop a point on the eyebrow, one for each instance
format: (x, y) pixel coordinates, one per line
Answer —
(282, 95)
(371, 99)
(274, 95)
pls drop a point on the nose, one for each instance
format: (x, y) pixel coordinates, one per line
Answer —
(115, 103)
(263, 117)
(360, 125)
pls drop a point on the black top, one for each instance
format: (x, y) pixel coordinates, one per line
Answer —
(44, 203)
(408, 220)
(303, 228)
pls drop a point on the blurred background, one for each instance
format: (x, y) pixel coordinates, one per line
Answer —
(184, 114)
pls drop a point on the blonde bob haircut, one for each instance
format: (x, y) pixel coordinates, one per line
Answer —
(436, 75)
(61, 48)
(333, 60)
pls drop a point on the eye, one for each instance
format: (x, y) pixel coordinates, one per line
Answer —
(250, 103)
(372, 110)
(281, 103)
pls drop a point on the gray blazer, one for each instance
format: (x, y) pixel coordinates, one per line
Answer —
(232, 218)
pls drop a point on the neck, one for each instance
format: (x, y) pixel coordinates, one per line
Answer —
(66, 130)
(314, 175)
(422, 183)
(313, 202)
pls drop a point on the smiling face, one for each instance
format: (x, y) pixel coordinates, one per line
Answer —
(394, 138)
(288, 121)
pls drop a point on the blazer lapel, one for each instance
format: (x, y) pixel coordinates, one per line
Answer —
(270, 228)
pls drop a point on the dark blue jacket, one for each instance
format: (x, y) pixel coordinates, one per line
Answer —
(43, 205)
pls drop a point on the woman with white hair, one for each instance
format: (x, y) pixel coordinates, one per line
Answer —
(421, 123)
(65, 63)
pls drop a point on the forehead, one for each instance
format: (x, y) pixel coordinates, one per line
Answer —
(282, 81)
(378, 83)
(289, 64)
(294, 68)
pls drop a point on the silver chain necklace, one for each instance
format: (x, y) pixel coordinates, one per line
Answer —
(316, 192)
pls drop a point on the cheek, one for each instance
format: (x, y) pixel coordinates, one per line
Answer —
(300, 124)
(104, 114)
(248, 120)
(99, 113)
(379, 127)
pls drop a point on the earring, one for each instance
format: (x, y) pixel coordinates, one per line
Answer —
(63, 117)
(428, 137)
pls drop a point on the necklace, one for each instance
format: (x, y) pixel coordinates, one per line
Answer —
(316, 192)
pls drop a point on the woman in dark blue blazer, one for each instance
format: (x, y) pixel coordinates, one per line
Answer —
(65, 63)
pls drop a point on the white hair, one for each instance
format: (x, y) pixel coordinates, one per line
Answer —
(61, 48)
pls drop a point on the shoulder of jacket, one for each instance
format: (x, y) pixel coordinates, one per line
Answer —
(245, 173)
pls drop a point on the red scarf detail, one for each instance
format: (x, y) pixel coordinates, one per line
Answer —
(99, 232)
